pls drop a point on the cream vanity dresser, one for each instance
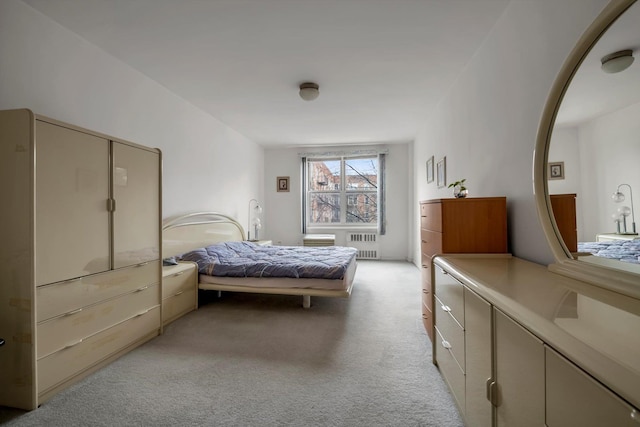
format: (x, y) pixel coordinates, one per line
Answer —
(519, 345)
(522, 344)
(80, 278)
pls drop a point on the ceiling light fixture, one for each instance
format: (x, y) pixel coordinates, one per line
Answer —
(309, 91)
(617, 61)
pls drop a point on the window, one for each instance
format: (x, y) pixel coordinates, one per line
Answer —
(342, 191)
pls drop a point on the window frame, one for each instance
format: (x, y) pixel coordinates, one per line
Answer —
(345, 192)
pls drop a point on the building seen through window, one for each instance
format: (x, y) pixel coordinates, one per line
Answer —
(342, 191)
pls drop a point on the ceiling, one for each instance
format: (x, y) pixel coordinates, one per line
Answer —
(382, 65)
(593, 92)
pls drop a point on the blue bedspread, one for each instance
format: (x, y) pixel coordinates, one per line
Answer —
(622, 250)
(246, 259)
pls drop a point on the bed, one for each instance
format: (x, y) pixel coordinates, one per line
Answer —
(206, 237)
(621, 250)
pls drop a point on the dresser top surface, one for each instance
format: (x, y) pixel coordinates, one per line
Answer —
(596, 328)
(462, 200)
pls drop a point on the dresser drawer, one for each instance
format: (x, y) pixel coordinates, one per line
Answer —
(426, 275)
(64, 364)
(426, 299)
(450, 294)
(427, 322)
(60, 332)
(431, 242)
(451, 371)
(451, 331)
(431, 216)
(64, 297)
(179, 278)
(426, 263)
(179, 305)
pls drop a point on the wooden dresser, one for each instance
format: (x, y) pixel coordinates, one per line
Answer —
(466, 225)
(80, 281)
(564, 212)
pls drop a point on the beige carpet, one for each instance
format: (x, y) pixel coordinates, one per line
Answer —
(263, 360)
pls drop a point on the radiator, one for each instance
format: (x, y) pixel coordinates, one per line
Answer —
(365, 243)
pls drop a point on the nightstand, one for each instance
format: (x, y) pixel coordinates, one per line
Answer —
(606, 237)
(179, 290)
(262, 242)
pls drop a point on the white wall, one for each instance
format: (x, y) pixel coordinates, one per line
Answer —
(487, 125)
(283, 209)
(44, 67)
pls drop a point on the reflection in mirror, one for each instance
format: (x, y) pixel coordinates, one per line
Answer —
(579, 315)
(596, 141)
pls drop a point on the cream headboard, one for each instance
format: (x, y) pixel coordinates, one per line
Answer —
(184, 233)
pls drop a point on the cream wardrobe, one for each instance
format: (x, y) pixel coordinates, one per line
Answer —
(80, 238)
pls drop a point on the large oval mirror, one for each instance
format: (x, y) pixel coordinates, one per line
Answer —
(588, 150)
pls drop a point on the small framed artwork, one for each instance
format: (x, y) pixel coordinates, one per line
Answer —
(430, 170)
(441, 172)
(556, 170)
(282, 183)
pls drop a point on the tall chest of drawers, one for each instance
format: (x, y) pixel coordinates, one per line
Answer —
(465, 225)
(564, 212)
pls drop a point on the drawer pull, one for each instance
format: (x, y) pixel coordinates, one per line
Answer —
(446, 344)
(179, 293)
(446, 308)
(635, 416)
(72, 312)
(179, 273)
(142, 288)
(73, 344)
(142, 264)
(142, 314)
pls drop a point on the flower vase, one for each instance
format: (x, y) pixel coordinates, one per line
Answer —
(459, 192)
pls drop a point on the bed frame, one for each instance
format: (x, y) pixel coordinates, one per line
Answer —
(191, 231)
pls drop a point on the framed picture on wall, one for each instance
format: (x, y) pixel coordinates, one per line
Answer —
(282, 183)
(442, 172)
(430, 170)
(556, 170)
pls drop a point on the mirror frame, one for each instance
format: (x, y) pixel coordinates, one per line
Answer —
(621, 281)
